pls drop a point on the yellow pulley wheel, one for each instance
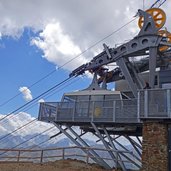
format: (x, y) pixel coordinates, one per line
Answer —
(158, 15)
(167, 35)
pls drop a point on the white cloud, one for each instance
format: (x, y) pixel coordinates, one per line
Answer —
(81, 19)
(37, 127)
(26, 93)
(15, 121)
(68, 27)
(41, 101)
(57, 46)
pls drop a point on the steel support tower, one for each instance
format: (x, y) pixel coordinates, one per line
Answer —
(114, 118)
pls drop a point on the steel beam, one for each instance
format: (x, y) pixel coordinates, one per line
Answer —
(121, 63)
(124, 155)
(139, 81)
(152, 65)
(106, 145)
(81, 135)
(117, 155)
(140, 142)
(135, 146)
(127, 156)
(86, 145)
(95, 158)
(136, 143)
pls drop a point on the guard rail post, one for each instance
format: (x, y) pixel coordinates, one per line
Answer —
(18, 157)
(41, 157)
(63, 153)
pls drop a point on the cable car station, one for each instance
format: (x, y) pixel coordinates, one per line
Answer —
(139, 109)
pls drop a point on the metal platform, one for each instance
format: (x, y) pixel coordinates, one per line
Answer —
(90, 106)
(110, 116)
(118, 111)
(149, 104)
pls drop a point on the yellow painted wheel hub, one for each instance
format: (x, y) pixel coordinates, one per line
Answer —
(158, 15)
(97, 112)
(167, 35)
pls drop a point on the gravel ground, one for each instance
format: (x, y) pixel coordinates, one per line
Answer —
(61, 165)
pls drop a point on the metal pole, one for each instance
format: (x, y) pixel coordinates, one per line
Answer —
(93, 107)
(168, 104)
(73, 114)
(41, 157)
(117, 160)
(63, 154)
(114, 111)
(146, 103)
(140, 142)
(138, 107)
(152, 65)
(18, 157)
(87, 158)
(56, 116)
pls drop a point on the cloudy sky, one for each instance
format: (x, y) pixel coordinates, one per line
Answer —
(39, 36)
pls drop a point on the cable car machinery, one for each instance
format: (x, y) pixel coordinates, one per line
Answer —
(152, 42)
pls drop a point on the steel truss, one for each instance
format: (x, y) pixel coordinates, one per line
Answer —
(120, 154)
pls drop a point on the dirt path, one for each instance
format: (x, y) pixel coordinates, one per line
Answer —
(61, 165)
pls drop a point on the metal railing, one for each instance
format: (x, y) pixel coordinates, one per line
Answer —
(151, 103)
(154, 103)
(90, 111)
(53, 154)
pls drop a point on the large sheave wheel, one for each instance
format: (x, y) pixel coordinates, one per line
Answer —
(158, 15)
(167, 35)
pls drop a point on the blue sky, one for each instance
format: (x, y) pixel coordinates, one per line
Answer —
(22, 65)
(36, 36)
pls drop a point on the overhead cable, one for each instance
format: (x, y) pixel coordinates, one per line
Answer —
(36, 98)
(29, 139)
(60, 67)
(48, 95)
(30, 122)
(10, 99)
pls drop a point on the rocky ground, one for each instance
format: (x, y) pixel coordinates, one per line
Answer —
(61, 165)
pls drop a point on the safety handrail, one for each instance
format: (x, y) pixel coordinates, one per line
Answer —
(41, 155)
